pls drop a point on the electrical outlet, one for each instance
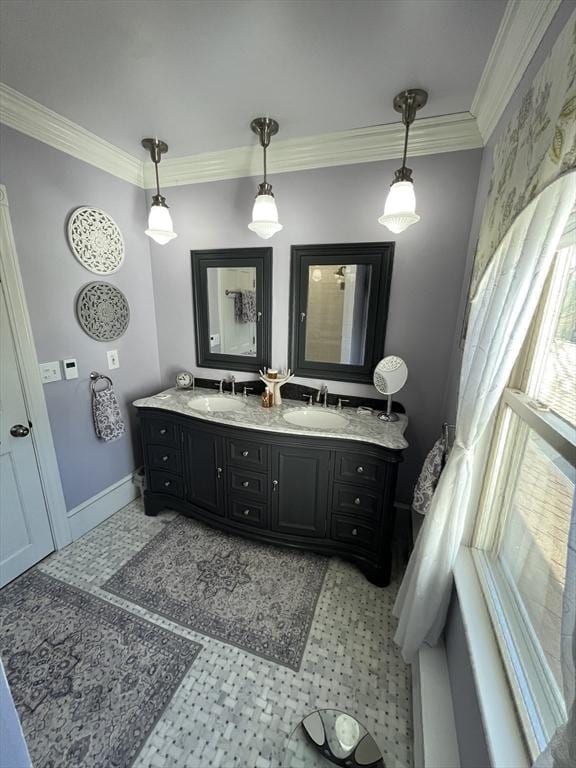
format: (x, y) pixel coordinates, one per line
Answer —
(113, 359)
(50, 372)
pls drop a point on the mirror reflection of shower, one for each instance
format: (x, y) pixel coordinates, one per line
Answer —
(232, 312)
(337, 313)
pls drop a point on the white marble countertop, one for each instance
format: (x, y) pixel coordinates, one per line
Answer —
(364, 428)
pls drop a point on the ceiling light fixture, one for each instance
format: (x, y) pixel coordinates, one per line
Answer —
(264, 214)
(400, 206)
(160, 227)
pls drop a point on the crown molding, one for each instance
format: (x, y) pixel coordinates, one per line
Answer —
(519, 35)
(428, 136)
(29, 117)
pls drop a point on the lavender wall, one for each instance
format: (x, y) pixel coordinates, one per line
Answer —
(337, 205)
(44, 186)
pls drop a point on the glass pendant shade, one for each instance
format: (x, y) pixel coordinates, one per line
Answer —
(265, 217)
(160, 227)
(400, 207)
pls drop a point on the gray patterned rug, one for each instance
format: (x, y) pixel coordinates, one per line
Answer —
(256, 596)
(89, 680)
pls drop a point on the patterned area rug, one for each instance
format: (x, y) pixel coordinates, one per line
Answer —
(89, 680)
(258, 597)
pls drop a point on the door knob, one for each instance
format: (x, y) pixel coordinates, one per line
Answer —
(19, 430)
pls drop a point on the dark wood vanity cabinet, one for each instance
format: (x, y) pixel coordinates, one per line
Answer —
(328, 495)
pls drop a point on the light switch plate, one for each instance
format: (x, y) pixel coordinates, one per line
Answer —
(113, 359)
(50, 372)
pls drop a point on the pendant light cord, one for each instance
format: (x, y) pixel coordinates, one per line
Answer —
(265, 165)
(157, 179)
(405, 147)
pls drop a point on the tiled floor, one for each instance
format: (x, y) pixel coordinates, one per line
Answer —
(236, 709)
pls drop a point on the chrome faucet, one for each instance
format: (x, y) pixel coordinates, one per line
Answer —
(308, 397)
(323, 392)
(232, 381)
(220, 386)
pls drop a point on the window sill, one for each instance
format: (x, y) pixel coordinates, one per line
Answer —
(501, 724)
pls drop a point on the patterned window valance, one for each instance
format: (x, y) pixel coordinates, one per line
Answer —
(538, 145)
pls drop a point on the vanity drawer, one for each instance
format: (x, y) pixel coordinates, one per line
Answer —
(355, 500)
(247, 512)
(162, 457)
(356, 468)
(159, 430)
(360, 534)
(166, 482)
(245, 453)
(243, 481)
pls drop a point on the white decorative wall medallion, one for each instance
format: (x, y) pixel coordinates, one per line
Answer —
(102, 311)
(96, 240)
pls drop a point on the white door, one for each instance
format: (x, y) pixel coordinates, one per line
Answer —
(25, 536)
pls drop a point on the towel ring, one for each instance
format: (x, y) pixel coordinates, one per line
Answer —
(97, 377)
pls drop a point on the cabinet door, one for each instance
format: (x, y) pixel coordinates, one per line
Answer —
(204, 471)
(300, 491)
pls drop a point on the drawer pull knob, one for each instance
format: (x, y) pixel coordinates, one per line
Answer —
(354, 531)
(219, 473)
(167, 483)
(246, 512)
(274, 485)
(244, 453)
(164, 458)
(163, 431)
(360, 470)
(357, 500)
(245, 484)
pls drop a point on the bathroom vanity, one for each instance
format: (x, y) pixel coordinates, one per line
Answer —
(325, 484)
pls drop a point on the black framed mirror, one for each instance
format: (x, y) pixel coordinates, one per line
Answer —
(339, 309)
(232, 305)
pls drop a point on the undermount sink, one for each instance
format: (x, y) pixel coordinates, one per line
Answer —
(315, 418)
(215, 403)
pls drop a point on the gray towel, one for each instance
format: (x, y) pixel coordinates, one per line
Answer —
(429, 476)
(245, 306)
(108, 421)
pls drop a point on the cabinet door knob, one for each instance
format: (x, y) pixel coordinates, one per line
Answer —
(354, 531)
(360, 470)
(164, 458)
(167, 483)
(244, 453)
(245, 484)
(219, 472)
(357, 500)
(274, 485)
(163, 431)
(246, 512)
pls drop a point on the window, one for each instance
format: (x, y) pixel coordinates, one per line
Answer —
(522, 530)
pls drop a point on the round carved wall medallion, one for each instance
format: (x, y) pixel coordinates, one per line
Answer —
(96, 240)
(102, 311)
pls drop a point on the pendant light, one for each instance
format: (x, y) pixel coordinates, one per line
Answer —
(400, 206)
(160, 227)
(264, 214)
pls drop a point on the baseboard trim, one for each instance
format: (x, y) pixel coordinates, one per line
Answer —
(435, 740)
(95, 510)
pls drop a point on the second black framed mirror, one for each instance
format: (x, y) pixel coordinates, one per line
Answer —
(339, 309)
(233, 306)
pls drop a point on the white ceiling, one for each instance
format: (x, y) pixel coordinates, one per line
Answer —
(195, 72)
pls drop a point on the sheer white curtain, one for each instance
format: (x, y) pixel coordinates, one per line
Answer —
(499, 319)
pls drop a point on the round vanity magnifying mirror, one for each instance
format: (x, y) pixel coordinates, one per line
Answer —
(389, 377)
